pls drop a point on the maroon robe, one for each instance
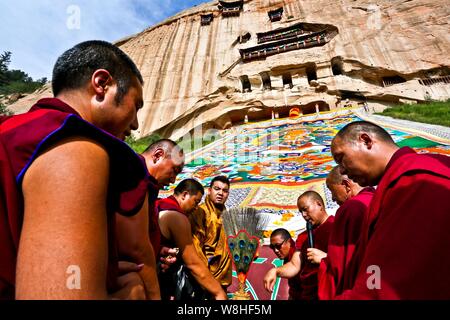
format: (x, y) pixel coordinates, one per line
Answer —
(337, 270)
(407, 233)
(294, 282)
(22, 139)
(153, 228)
(308, 271)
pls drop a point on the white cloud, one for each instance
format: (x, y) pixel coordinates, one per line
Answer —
(36, 32)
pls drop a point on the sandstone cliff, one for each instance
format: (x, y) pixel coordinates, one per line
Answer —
(197, 72)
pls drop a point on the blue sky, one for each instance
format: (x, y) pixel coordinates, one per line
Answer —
(38, 31)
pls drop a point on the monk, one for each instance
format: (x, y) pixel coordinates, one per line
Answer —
(312, 208)
(339, 264)
(208, 233)
(64, 174)
(284, 248)
(164, 160)
(182, 280)
(405, 241)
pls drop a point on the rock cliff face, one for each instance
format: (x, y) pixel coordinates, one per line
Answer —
(219, 62)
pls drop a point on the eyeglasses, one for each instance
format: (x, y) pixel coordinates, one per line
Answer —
(277, 246)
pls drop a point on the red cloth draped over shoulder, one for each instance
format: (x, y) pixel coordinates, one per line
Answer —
(406, 239)
(308, 271)
(22, 139)
(167, 204)
(338, 270)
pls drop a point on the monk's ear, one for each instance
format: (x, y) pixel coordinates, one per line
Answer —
(101, 80)
(158, 154)
(366, 140)
(346, 184)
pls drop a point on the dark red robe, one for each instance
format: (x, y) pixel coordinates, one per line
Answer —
(22, 139)
(406, 236)
(337, 270)
(308, 271)
(294, 282)
(153, 224)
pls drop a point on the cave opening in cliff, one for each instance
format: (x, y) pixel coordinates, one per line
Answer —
(314, 107)
(276, 15)
(337, 66)
(389, 81)
(206, 19)
(267, 84)
(246, 85)
(311, 72)
(287, 81)
(243, 38)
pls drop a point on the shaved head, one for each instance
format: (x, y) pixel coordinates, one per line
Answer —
(351, 132)
(283, 233)
(362, 150)
(165, 144)
(341, 186)
(164, 160)
(312, 207)
(335, 176)
(313, 195)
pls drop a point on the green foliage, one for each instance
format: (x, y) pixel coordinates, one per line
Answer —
(16, 81)
(4, 111)
(140, 145)
(432, 113)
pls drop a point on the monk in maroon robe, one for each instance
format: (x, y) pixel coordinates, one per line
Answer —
(164, 161)
(337, 270)
(182, 280)
(63, 178)
(406, 240)
(285, 248)
(312, 207)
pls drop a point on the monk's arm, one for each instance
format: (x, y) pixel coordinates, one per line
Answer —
(291, 268)
(63, 248)
(180, 231)
(134, 243)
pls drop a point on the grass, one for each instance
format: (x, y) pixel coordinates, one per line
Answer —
(431, 113)
(188, 145)
(140, 145)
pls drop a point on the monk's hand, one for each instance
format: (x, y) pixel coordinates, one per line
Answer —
(131, 286)
(168, 257)
(269, 279)
(222, 295)
(315, 255)
(127, 267)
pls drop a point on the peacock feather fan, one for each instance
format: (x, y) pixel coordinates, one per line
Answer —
(244, 228)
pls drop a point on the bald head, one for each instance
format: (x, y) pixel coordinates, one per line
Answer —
(164, 160)
(335, 176)
(363, 150)
(341, 186)
(165, 144)
(313, 195)
(311, 206)
(352, 131)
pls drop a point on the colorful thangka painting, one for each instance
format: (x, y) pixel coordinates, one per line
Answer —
(271, 163)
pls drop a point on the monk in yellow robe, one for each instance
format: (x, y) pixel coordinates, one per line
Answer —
(208, 233)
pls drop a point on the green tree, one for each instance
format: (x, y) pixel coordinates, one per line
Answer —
(5, 59)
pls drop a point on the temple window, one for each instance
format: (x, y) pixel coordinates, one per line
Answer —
(206, 19)
(389, 81)
(246, 86)
(267, 84)
(276, 15)
(287, 81)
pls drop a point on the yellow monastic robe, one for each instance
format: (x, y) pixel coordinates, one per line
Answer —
(210, 241)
